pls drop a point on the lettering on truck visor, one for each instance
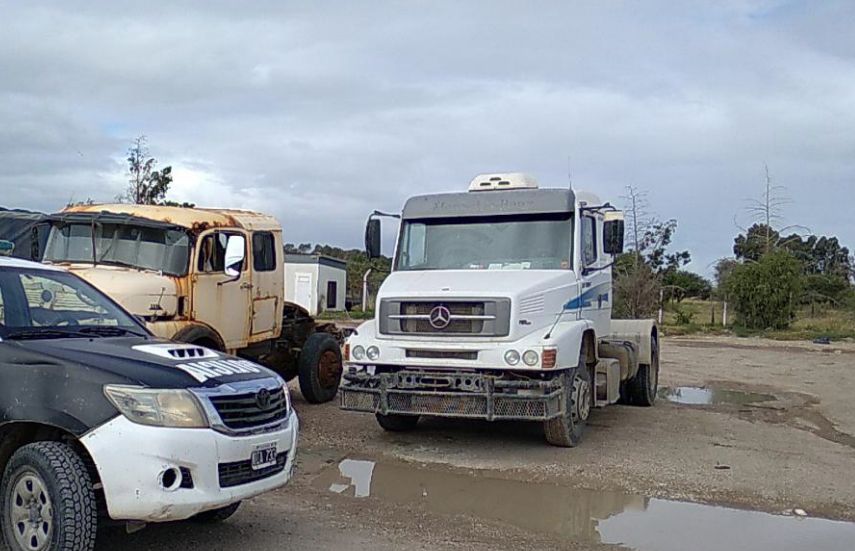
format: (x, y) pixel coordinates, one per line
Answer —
(211, 369)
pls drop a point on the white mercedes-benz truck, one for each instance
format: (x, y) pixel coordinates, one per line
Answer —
(499, 307)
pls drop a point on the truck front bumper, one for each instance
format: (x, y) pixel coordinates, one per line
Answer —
(215, 469)
(453, 393)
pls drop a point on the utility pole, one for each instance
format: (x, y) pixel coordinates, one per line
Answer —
(365, 290)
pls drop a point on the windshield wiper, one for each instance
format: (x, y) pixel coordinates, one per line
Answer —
(108, 331)
(45, 333)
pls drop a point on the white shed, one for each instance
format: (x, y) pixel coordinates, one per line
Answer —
(317, 283)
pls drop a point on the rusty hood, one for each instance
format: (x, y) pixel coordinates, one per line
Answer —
(141, 292)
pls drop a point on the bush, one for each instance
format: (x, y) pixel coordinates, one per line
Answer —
(766, 293)
(636, 289)
(683, 316)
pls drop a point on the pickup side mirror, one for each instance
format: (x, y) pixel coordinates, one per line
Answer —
(235, 255)
(613, 231)
(372, 238)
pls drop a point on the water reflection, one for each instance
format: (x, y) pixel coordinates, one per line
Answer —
(711, 396)
(633, 521)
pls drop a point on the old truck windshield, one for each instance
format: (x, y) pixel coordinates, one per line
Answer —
(541, 242)
(159, 249)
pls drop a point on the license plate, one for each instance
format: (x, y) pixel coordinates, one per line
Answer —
(264, 456)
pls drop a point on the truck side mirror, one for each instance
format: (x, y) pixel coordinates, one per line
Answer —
(235, 255)
(613, 231)
(372, 238)
(7, 247)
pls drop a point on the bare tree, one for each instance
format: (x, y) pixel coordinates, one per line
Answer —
(638, 218)
(146, 186)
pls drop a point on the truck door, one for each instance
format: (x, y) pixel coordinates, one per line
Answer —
(267, 285)
(595, 281)
(220, 300)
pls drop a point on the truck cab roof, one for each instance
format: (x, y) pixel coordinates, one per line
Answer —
(196, 219)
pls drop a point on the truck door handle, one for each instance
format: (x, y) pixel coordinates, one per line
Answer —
(246, 285)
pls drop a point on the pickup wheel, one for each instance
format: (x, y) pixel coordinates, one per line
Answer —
(397, 423)
(47, 500)
(566, 430)
(642, 388)
(217, 515)
(320, 368)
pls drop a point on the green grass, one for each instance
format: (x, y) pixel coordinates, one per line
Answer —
(822, 321)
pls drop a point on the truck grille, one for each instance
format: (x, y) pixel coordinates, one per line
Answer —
(460, 317)
(240, 472)
(250, 410)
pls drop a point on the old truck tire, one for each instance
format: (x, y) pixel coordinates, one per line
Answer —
(642, 388)
(217, 515)
(200, 335)
(46, 500)
(566, 430)
(397, 423)
(320, 368)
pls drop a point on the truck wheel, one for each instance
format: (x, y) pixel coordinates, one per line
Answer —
(47, 500)
(397, 423)
(566, 430)
(217, 515)
(320, 368)
(642, 388)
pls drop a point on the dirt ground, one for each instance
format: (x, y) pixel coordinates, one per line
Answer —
(796, 451)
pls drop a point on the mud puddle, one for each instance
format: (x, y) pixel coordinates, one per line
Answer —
(634, 522)
(697, 396)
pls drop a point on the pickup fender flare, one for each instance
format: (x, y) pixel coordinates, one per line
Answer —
(47, 417)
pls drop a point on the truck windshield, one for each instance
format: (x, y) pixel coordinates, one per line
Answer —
(162, 250)
(50, 304)
(541, 242)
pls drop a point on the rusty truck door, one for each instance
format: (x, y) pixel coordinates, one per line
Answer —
(221, 301)
(267, 284)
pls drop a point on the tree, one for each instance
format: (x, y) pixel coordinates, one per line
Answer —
(765, 293)
(654, 244)
(636, 288)
(146, 186)
(686, 284)
(758, 240)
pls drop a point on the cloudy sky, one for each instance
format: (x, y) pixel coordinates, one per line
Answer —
(319, 112)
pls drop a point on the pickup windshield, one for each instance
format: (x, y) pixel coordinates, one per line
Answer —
(161, 250)
(541, 242)
(46, 304)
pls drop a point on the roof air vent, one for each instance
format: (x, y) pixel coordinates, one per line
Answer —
(513, 180)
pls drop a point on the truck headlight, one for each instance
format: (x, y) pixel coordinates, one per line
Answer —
(530, 358)
(373, 352)
(512, 357)
(158, 408)
(358, 353)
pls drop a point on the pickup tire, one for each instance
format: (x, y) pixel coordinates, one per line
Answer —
(641, 389)
(396, 422)
(320, 368)
(217, 515)
(566, 430)
(49, 482)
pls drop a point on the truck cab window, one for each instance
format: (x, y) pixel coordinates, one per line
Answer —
(589, 240)
(212, 253)
(263, 252)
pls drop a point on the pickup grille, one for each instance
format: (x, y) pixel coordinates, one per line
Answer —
(460, 317)
(240, 472)
(250, 410)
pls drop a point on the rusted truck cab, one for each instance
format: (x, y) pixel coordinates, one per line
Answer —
(211, 277)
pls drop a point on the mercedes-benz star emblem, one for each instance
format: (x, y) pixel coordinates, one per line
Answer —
(262, 399)
(440, 317)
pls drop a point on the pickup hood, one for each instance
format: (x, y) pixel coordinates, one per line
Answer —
(130, 360)
(142, 293)
(513, 284)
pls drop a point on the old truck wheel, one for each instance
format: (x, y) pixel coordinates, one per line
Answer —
(643, 387)
(320, 368)
(47, 500)
(397, 423)
(566, 430)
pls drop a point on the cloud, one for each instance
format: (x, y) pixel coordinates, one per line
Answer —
(320, 113)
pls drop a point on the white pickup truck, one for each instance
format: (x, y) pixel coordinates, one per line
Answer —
(499, 307)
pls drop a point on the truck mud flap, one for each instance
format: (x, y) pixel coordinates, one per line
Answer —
(452, 394)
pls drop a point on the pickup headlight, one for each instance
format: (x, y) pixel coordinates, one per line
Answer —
(158, 408)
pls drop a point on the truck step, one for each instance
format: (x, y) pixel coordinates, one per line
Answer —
(608, 382)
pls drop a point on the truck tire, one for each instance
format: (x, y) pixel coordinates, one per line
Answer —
(216, 516)
(320, 368)
(200, 335)
(566, 430)
(641, 389)
(397, 423)
(47, 500)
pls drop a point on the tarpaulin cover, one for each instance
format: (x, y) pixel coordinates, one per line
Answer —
(27, 230)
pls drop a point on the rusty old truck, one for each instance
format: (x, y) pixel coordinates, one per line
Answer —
(210, 277)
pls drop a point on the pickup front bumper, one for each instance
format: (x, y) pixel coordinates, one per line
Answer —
(454, 393)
